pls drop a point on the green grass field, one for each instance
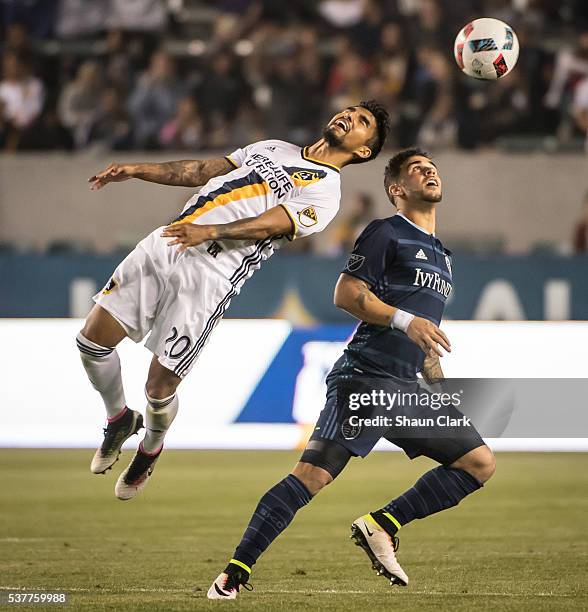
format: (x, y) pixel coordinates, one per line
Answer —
(518, 544)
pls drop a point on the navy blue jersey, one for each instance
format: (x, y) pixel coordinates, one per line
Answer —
(408, 268)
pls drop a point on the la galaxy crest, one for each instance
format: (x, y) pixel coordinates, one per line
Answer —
(305, 176)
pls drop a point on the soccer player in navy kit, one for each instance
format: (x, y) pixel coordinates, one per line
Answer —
(396, 282)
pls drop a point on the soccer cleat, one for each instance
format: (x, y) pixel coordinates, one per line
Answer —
(134, 479)
(380, 547)
(227, 584)
(115, 434)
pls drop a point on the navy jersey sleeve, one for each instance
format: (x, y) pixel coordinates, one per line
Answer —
(373, 252)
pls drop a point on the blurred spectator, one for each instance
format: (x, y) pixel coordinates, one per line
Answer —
(427, 102)
(37, 17)
(437, 127)
(46, 134)
(350, 226)
(17, 39)
(184, 131)
(366, 33)
(580, 109)
(21, 93)
(221, 92)
(111, 127)
(77, 18)
(154, 100)
(429, 27)
(570, 63)
(342, 13)
(121, 57)
(141, 15)
(4, 127)
(278, 68)
(580, 237)
(79, 101)
(346, 82)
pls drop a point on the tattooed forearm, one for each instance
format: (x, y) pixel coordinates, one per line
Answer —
(183, 173)
(354, 296)
(432, 372)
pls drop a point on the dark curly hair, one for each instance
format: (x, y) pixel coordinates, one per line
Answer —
(394, 165)
(377, 141)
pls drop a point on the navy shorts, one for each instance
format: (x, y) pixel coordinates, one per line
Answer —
(360, 410)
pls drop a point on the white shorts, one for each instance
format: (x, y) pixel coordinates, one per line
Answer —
(179, 298)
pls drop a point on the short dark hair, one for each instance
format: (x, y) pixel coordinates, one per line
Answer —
(377, 141)
(394, 165)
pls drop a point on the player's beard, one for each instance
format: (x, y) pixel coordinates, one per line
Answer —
(432, 198)
(331, 137)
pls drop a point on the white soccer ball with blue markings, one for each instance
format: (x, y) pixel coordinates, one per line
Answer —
(486, 49)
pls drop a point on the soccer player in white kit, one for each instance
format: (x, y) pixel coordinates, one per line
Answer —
(178, 281)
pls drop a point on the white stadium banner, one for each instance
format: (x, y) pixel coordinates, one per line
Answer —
(48, 401)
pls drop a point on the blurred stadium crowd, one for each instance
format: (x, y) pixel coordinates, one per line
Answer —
(188, 74)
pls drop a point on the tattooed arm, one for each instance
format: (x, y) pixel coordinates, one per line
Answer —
(183, 173)
(354, 296)
(432, 372)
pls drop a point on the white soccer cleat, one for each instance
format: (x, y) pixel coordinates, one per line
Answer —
(134, 479)
(221, 590)
(115, 435)
(228, 583)
(380, 547)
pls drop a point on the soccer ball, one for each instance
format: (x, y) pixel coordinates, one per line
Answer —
(486, 49)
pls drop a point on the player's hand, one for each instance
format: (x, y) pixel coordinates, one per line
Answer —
(113, 174)
(187, 235)
(428, 336)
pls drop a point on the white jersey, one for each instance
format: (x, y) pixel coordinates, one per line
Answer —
(267, 174)
(178, 298)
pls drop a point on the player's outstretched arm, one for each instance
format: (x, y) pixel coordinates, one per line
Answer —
(355, 297)
(183, 173)
(274, 222)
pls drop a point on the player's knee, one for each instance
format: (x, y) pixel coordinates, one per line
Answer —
(162, 386)
(312, 477)
(480, 463)
(102, 328)
(489, 467)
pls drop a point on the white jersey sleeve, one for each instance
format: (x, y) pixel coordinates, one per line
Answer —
(238, 156)
(313, 209)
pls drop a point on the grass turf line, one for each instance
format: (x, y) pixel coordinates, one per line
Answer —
(518, 544)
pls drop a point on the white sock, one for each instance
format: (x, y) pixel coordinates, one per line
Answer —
(102, 365)
(160, 415)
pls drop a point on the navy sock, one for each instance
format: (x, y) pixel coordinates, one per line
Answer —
(273, 514)
(436, 490)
